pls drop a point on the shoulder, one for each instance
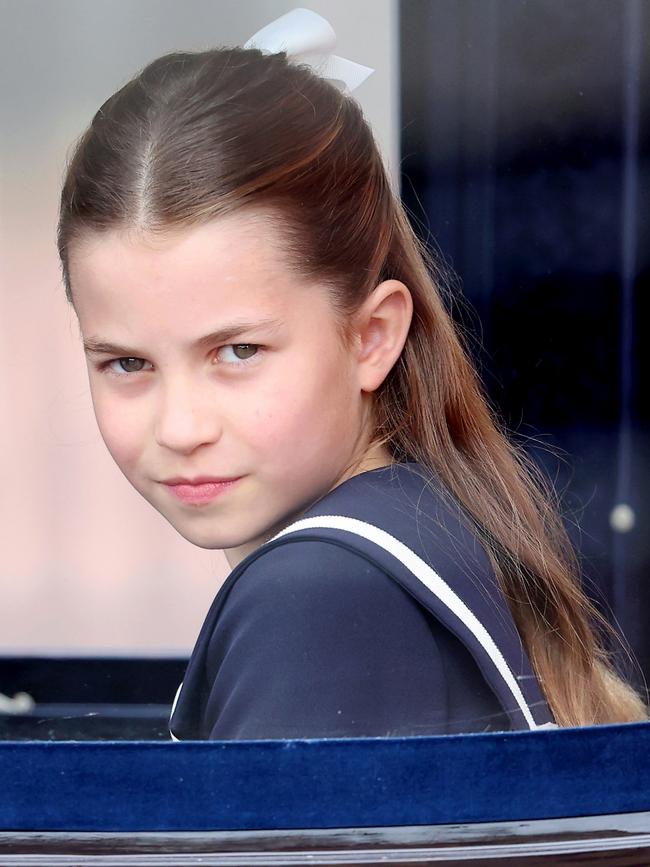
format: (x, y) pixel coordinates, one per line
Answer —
(316, 561)
(316, 577)
(326, 611)
(313, 640)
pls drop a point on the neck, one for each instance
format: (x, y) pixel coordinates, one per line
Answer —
(374, 459)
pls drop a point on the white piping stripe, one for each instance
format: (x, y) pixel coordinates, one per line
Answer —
(431, 580)
(171, 713)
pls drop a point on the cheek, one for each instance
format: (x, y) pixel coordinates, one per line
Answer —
(122, 431)
(270, 427)
(315, 400)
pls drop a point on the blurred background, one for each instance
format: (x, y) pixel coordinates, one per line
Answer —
(526, 164)
(518, 133)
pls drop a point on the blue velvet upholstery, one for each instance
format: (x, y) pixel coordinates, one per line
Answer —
(128, 786)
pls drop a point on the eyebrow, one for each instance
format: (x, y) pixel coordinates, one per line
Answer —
(95, 346)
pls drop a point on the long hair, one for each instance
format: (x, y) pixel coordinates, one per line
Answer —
(198, 135)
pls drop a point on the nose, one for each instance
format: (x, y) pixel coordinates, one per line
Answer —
(187, 415)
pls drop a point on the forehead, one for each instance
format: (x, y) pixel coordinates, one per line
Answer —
(231, 265)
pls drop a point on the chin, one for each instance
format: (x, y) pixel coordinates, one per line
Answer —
(208, 537)
(206, 544)
(211, 541)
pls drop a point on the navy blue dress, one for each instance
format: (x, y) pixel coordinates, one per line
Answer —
(376, 614)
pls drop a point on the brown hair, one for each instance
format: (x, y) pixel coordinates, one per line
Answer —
(198, 135)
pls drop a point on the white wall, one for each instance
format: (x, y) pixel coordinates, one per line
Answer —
(85, 563)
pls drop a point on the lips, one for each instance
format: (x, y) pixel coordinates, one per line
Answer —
(200, 480)
(200, 490)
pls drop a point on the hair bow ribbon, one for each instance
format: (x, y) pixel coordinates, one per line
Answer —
(308, 38)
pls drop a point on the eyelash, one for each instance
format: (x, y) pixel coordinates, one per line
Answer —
(242, 362)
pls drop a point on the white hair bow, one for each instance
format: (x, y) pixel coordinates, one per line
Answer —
(308, 38)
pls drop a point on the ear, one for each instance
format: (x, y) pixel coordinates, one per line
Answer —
(382, 325)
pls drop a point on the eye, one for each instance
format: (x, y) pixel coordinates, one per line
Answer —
(125, 366)
(249, 351)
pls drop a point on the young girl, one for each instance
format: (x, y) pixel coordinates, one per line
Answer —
(273, 369)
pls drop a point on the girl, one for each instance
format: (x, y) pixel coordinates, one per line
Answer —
(273, 369)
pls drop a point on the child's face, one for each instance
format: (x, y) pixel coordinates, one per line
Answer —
(284, 413)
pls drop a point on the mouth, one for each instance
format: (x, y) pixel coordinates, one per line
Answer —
(200, 480)
(198, 491)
